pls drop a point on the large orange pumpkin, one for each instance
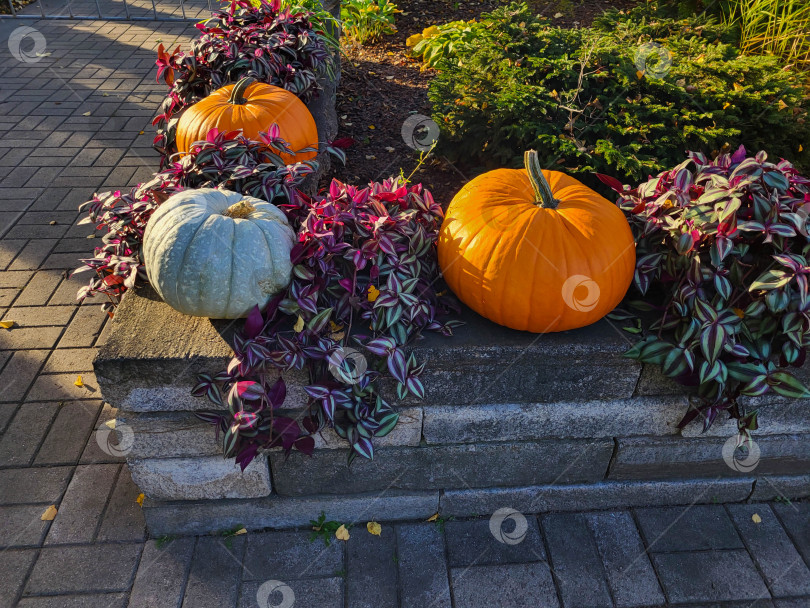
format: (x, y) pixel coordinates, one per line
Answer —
(252, 107)
(536, 250)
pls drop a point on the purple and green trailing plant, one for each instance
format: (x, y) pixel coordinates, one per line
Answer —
(722, 262)
(274, 45)
(364, 273)
(225, 160)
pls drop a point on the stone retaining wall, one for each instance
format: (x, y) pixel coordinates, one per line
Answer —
(551, 422)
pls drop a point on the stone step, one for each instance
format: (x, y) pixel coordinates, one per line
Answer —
(282, 512)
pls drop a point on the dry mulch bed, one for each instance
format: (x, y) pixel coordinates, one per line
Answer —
(381, 86)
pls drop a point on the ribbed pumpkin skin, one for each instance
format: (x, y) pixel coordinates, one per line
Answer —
(206, 264)
(265, 105)
(516, 263)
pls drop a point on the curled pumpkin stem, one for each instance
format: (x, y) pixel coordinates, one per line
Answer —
(239, 210)
(238, 93)
(542, 190)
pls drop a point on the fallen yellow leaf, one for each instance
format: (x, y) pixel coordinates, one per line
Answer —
(7, 324)
(49, 513)
(433, 517)
(240, 532)
(299, 325)
(140, 498)
(342, 533)
(372, 127)
(801, 147)
(756, 518)
(639, 74)
(86, 114)
(373, 293)
(110, 424)
(79, 381)
(374, 528)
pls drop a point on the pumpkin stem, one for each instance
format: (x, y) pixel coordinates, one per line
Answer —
(238, 93)
(239, 210)
(541, 187)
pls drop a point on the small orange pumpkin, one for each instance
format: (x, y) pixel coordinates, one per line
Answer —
(536, 250)
(252, 107)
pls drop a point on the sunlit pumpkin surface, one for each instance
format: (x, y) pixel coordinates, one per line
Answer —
(263, 106)
(532, 268)
(216, 253)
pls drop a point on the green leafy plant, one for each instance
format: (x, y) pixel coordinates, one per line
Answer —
(596, 99)
(323, 529)
(722, 261)
(367, 20)
(438, 42)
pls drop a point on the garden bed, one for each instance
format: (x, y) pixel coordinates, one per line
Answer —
(555, 422)
(382, 85)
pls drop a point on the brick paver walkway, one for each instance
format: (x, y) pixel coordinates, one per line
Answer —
(76, 121)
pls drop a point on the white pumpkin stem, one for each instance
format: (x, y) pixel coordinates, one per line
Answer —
(542, 190)
(239, 210)
(238, 93)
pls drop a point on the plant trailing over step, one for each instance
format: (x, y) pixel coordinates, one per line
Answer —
(722, 259)
(595, 99)
(273, 45)
(362, 290)
(227, 160)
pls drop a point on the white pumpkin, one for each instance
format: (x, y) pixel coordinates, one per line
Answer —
(216, 253)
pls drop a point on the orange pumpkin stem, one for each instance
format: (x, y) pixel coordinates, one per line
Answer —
(238, 93)
(542, 190)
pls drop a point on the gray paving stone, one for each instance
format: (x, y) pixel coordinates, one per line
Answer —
(22, 526)
(106, 600)
(288, 556)
(783, 568)
(371, 569)
(14, 566)
(422, 566)
(512, 585)
(161, 577)
(86, 568)
(709, 576)
(629, 572)
(68, 434)
(796, 519)
(575, 561)
(83, 505)
(19, 373)
(38, 485)
(472, 543)
(692, 528)
(315, 593)
(7, 411)
(25, 432)
(123, 517)
(213, 581)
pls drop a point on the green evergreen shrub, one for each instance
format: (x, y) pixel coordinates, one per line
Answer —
(588, 101)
